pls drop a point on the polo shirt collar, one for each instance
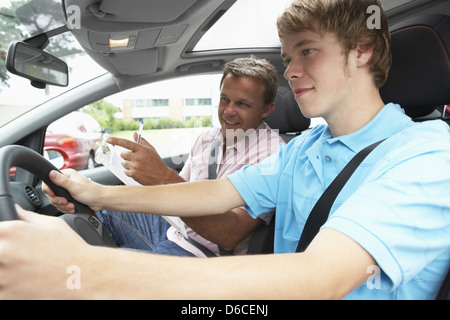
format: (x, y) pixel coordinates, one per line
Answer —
(380, 127)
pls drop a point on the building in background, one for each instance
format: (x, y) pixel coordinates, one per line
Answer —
(178, 99)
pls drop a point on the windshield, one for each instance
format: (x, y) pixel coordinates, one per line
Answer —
(255, 30)
(22, 19)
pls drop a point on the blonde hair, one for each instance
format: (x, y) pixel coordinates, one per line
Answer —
(255, 68)
(348, 20)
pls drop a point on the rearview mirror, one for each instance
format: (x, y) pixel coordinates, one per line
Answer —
(37, 65)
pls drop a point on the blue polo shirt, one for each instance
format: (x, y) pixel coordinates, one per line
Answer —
(396, 205)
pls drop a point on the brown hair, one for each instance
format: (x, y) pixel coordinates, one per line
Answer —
(255, 68)
(349, 21)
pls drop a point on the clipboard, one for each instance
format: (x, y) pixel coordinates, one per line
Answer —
(109, 156)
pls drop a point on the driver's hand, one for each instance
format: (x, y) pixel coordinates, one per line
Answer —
(35, 257)
(79, 187)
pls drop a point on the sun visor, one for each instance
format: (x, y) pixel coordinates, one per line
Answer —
(128, 63)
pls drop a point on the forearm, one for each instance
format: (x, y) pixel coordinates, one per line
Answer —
(157, 176)
(227, 230)
(29, 264)
(181, 199)
(240, 277)
(169, 277)
(321, 272)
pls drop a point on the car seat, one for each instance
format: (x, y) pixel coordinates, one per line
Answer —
(419, 79)
(287, 117)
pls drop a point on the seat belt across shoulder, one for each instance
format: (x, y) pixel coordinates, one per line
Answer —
(321, 210)
(212, 174)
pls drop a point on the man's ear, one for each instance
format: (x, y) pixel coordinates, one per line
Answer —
(364, 53)
(268, 109)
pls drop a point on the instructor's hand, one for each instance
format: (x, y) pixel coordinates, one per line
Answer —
(143, 163)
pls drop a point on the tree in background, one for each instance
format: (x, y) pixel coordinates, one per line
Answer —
(104, 112)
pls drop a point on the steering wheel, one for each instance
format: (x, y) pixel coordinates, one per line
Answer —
(84, 221)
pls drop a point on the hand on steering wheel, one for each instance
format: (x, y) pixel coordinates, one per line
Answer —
(65, 181)
(84, 222)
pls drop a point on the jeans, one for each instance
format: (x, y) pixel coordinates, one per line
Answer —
(139, 231)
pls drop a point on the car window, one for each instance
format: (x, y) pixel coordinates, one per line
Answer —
(92, 126)
(174, 113)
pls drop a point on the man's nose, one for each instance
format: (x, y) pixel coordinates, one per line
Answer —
(230, 109)
(293, 71)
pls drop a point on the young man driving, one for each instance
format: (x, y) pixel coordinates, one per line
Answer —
(390, 224)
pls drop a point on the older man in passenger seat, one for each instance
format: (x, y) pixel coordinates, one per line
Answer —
(248, 89)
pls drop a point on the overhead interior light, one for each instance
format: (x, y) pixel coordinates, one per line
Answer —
(116, 43)
(122, 42)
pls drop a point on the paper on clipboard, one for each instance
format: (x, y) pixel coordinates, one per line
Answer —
(109, 155)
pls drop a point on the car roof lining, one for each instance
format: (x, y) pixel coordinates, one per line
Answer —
(140, 66)
(143, 10)
(144, 55)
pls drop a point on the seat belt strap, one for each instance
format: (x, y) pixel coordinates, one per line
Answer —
(212, 162)
(320, 212)
(444, 292)
(212, 174)
(202, 248)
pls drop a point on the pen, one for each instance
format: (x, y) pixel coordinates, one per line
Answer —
(141, 126)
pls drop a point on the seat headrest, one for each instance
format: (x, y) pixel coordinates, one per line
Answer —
(287, 116)
(419, 79)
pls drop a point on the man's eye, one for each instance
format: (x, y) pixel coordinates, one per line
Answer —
(243, 104)
(307, 52)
